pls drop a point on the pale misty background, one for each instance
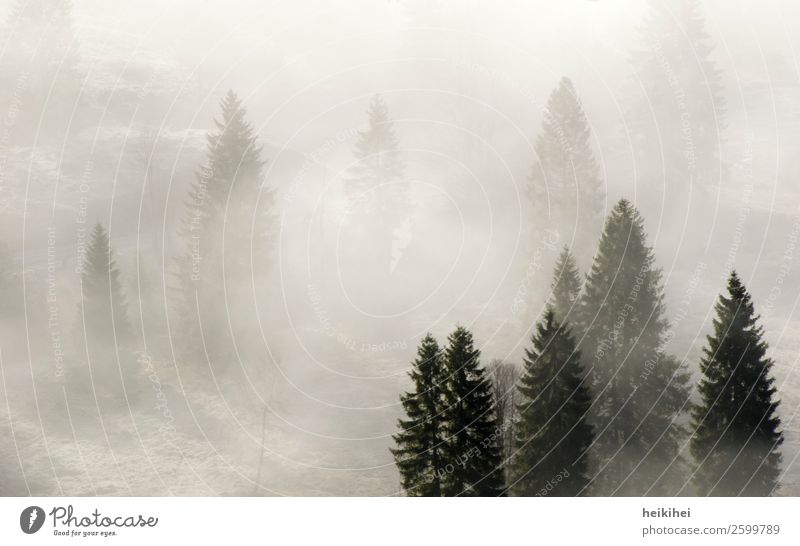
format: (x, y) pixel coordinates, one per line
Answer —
(123, 100)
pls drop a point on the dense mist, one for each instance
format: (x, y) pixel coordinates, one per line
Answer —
(227, 227)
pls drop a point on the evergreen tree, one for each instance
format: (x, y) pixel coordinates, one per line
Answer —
(675, 124)
(473, 454)
(374, 182)
(565, 184)
(566, 286)
(553, 435)
(637, 387)
(737, 436)
(420, 442)
(227, 237)
(105, 336)
(378, 215)
(104, 310)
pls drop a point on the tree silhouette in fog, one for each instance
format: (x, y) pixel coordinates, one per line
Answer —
(639, 390)
(565, 184)
(474, 443)
(553, 434)
(736, 424)
(227, 234)
(677, 117)
(419, 454)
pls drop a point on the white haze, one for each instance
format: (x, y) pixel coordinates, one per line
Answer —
(465, 83)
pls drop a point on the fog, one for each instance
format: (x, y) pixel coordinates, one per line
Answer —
(289, 381)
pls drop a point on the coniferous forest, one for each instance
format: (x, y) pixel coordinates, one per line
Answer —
(410, 248)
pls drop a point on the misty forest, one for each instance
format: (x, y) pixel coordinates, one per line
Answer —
(399, 247)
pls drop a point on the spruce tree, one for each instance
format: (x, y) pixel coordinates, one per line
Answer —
(473, 454)
(566, 286)
(553, 434)
(565, 184)
(103, 309)
(736, 425)
(420, 442)
(374, 180)
(378, 216)
(104, 334)
(227, 232)
(638, 388)
(676, 121)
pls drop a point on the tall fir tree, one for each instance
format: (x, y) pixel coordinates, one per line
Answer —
(378, 215)
(374, 181)
(227, 233)
(553, 434)
(566, 287)
(736, 424)
(638, 389)
(420, 443)
(565, 184)
(473, 454)
(676, 121)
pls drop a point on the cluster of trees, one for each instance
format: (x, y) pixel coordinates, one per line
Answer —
(602, 408)
(226, 239)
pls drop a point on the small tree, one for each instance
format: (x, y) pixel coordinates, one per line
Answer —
(103, 309)
(420, 442)
(736, 425)
(473, 457)
(104, 331)
(553, 434)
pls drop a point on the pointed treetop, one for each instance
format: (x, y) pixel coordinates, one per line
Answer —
(566, 285)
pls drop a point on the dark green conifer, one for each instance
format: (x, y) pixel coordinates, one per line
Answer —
(638, 389)
(473, 455)
(420, 442)
(553, 434)
(736, 425)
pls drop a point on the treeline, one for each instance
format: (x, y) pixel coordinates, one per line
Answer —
(602, 408)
